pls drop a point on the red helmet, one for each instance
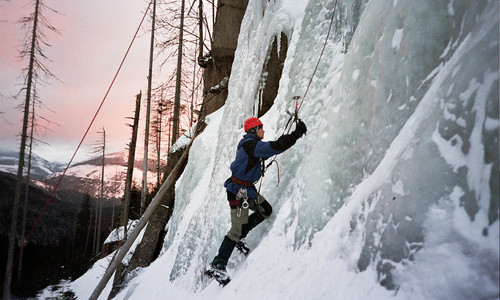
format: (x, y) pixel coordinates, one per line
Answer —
(251, 123)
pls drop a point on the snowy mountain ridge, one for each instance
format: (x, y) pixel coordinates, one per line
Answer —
(40, 167)
(85, 176)
(393, 192)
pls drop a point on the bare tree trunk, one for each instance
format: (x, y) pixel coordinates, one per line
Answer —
(94, 240)
(200, 29)
(148, 112)
(213, 20)
(158, 148)
(26, 191)
(112, 215)
(162, 107)
(130, 166)
(191, 117)
(169, 132)
(102, 190)
(177, 102)
(17, 195)
(115, 179)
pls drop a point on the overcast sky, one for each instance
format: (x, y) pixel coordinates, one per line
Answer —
(85, 56)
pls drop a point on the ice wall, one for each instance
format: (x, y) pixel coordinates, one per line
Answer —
(394, 189)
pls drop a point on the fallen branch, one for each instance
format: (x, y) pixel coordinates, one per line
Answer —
(115, 262)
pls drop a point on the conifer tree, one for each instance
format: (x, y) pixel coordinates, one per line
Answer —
(82, 224)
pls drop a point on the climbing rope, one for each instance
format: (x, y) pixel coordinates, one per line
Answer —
(294, 116)
(74, 154)
(321, 55)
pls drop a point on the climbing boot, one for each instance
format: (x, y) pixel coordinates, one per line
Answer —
(219, 273)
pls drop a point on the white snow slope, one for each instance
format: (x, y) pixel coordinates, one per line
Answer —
(393, 192)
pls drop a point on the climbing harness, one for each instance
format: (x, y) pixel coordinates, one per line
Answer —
(241, 182)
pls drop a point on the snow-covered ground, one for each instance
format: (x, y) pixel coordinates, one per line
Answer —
(393, 192)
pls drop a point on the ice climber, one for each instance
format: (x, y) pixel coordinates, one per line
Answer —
(242, 195)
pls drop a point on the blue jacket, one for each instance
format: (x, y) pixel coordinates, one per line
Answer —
(250, 156)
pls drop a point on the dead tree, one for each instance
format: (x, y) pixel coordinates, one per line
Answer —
(148, 112)
(175, 133)
(130, 167)
(100, 149)
(156, 133)
(27, 189)
(34, 52)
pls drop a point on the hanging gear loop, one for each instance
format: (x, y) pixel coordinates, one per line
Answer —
(242, 197)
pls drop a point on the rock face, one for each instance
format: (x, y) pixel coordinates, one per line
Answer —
(218, 68)
(227, 26)
(226, 30)
(271, 74)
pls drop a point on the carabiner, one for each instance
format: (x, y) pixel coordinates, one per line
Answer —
(245, 204)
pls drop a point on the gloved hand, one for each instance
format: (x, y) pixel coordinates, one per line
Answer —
(300, 129)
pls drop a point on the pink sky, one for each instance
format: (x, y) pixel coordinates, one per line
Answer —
(84, 57)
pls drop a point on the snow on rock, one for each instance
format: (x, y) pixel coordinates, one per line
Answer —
(118, 233)
(184, 140)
